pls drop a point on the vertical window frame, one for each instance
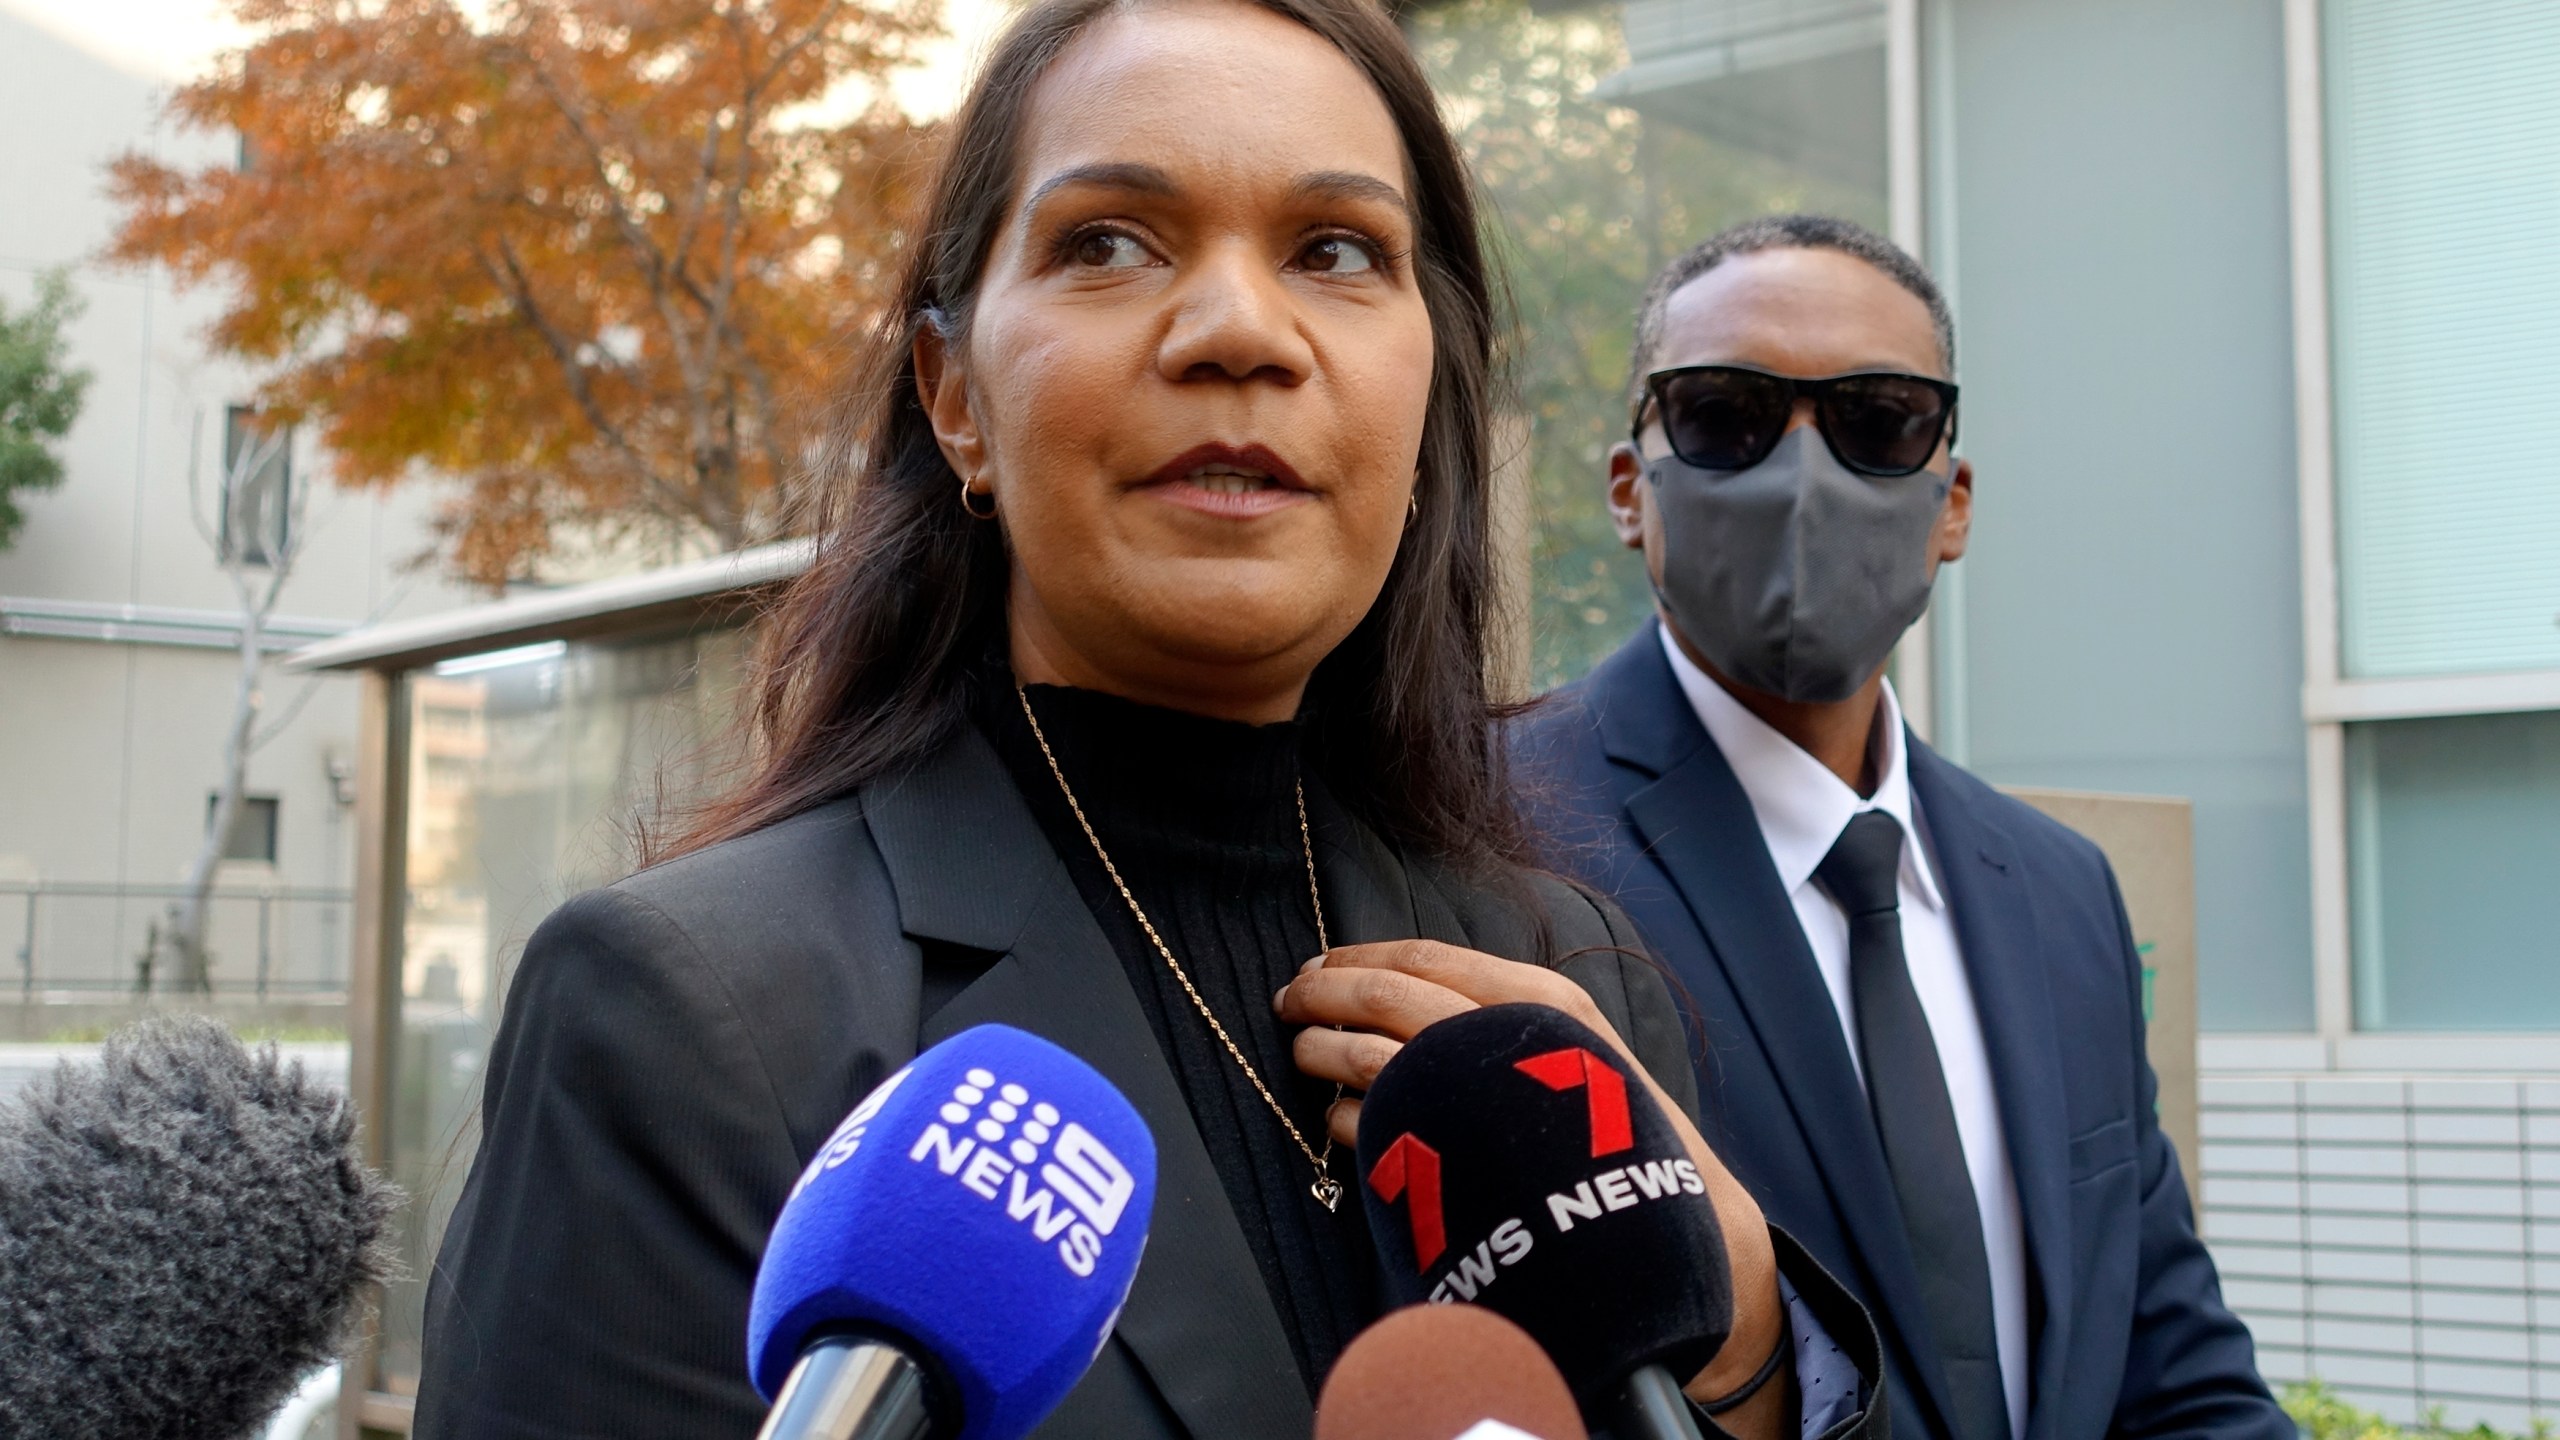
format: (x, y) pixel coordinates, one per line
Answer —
(2332, 701)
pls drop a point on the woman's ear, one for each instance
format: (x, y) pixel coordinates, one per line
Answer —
(943, 385)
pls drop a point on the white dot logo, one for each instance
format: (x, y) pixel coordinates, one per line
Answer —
(1035, 1133)
(1051, 1176)
(1010, 1122)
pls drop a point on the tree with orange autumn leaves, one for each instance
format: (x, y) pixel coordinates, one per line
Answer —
(594, 260)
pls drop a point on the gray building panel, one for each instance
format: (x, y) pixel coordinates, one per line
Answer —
(2132, 617)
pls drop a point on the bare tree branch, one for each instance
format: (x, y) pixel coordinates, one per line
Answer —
(791, 52)
(292, 711)
(750, 102)
(653, 262)
(510, 277)
(714, 465)
(195, 485)
(246, 505)
(699, 203)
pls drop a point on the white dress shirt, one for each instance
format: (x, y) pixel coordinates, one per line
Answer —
(1802, 808)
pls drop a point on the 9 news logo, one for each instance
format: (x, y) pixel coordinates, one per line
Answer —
(993, 1150)
(847, 1141)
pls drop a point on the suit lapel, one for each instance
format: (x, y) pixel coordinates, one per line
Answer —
(1996, 926)
(1371, 893)
(1697, 822)
(971, 867)
(1368, 896)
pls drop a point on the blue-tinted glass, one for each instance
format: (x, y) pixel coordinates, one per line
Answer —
(1608, 138)
(2444, 195)
(2455, 831)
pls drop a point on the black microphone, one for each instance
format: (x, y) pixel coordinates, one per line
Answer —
(184, 1229)
(1511, 1159)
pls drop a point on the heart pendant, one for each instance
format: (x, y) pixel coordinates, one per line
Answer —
(1327, 1190)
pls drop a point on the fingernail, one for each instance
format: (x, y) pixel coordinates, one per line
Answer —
(1277, 996)
(1315, 964)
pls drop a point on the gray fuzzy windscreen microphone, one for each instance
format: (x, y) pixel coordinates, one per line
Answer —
(184, 1228)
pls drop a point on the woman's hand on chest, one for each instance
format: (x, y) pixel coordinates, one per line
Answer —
(1361, 1003)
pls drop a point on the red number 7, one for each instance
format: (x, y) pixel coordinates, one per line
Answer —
(1611, 1128)
(1411, 1165)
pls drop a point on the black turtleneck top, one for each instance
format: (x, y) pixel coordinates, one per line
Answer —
(1201, 819)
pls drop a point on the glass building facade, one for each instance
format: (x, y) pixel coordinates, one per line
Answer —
(532, 773)
(2442, 157)
(1609, 138)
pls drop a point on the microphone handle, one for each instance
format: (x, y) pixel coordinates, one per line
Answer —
(850, 1387)
(1650, 1407)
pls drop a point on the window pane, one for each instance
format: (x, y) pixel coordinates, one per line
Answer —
(253, 827)
(257, 487)
(2444, 194)
(530, 772)
(2455, 839)
(1607, 142)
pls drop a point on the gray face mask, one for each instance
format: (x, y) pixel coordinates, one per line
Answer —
(1794, 577)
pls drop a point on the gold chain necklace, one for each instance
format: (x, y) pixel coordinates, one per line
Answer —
(1326, 1189)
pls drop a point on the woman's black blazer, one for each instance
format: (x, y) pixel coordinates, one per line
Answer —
(676, 1046)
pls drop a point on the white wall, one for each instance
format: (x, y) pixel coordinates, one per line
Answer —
(23, 1064)
(107, 749)
(2396, 1236)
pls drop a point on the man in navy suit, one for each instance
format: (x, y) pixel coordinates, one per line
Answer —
(1920, 999)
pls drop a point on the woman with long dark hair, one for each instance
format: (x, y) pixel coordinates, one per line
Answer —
(1143, 658)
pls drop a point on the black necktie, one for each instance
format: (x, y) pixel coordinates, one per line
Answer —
(1907, 1093)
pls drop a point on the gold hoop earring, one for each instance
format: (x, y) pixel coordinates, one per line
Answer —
(969, 494)
(1412, 510)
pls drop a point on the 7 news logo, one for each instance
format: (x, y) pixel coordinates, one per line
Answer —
(993, 1151)
(1409, 1170)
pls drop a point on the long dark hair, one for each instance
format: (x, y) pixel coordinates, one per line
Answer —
(865, 658)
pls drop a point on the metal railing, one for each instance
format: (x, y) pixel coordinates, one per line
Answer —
(74, 941)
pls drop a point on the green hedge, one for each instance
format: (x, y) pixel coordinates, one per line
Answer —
(2323, 1416)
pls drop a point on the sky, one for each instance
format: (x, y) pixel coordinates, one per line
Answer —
(174, 40)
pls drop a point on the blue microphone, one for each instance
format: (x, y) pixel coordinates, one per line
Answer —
(954, 1257)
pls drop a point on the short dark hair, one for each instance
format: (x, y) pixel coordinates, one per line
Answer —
(1783, 232)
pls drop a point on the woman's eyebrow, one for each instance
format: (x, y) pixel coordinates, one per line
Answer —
(1350, 185)
(1107, 175)
(1144, 179)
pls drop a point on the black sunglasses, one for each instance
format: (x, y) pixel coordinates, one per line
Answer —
(1729, 417)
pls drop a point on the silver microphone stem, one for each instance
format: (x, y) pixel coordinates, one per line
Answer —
(1651, 1407)
(849, 1388)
